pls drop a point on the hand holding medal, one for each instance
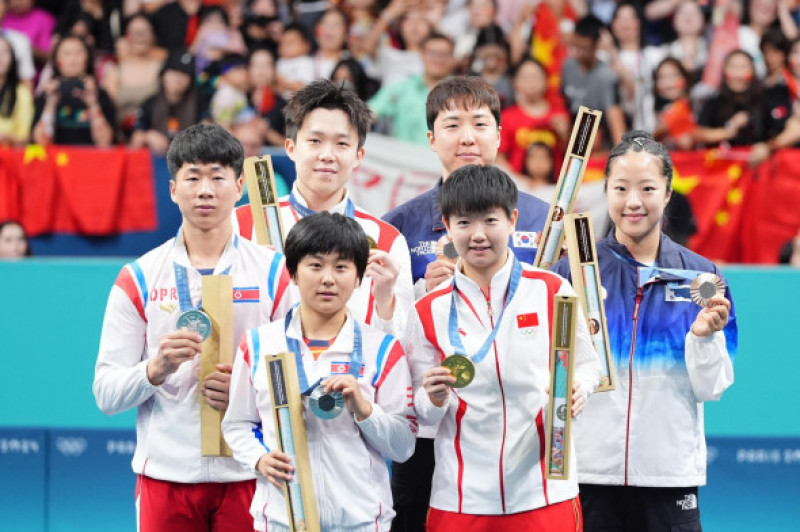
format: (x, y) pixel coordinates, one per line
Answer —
(437, 382)
(344, 388)
(708, 291)
(175, 348)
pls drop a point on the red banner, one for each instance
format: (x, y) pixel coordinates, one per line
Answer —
(87, 191)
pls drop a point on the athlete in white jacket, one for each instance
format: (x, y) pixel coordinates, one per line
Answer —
(490, 444)
(348, 452)
(326, 127)
(144, 362)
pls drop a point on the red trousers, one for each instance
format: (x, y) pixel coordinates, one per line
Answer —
(205, 507)
(562, 516)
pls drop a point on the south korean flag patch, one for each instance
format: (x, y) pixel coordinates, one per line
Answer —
(524, 239)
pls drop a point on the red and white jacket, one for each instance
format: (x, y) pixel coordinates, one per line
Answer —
(490, 443)
(389, 239)
(143, 306)
(348, 458)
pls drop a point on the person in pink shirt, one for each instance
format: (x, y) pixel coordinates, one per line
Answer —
(36, 23)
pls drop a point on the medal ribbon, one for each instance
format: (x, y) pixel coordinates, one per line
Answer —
(182, 281)
(294, 345)
(455, 337)
(303, 211)
(648, 274)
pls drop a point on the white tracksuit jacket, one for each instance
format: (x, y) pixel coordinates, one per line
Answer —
(388, 239)
(490, 442)
(350, 474)
(143, 305)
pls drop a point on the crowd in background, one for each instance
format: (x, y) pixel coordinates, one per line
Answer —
(696, 73)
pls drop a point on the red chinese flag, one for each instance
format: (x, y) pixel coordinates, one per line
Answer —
(39, 189)
(89, 181)
(547, 47)
(720, 186)
(9, 186)
(773, 216)
(137, 206)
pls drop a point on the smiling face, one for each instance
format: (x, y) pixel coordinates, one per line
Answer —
(325, 282)
(669, 82)
(738, 71)
(325, 154)
(205, 194)
(637, 196)
(481, 240)
(464, 136)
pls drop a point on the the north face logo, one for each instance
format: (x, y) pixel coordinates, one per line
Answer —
(689, 502)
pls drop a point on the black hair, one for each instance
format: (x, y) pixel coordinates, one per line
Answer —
(364, 86)
(343, 14)
(641, 141)
(474, 189)
(89, 69)
(325, 94)
(659, 101)
(730, 102)
(142, 15)
(437, 36)
(528, 59)
(8, 92)
(539, 145)
(639, 16)
(303, 32)
(207, 144)
(323, 233)
(7, 223)
(774, 37)
(464, 92)
(589, 26)
(207, 11)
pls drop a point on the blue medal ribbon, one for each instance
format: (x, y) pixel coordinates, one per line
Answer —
(455, 338)
(649, 274)
(294, 345)
(182, 281)
(303, 211)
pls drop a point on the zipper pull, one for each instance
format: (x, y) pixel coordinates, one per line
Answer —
(489, 307)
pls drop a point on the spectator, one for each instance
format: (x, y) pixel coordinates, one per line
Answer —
(632, 64)
(13, 241)
(295, 66)
(403, 103)
(175, 107)
(539, 169)
(215, 38)
(177, 23)
(229, 104)
(36, 23)
(734, 115)
(73, 109)
(136, 77)
(362, 15)
(264, 99)
(759, 17)
(490, 60)
(16, 100)
(22, 49)
(690, 47)
(481, 15)
(251, 135)
(261, 27)
(94, 10)
(585, 80)
(672, 110)
(331, 32)
(350, 72)
(533, 119)
(409, 28)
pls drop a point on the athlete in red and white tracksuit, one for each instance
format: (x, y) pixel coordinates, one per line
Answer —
(490, 442)
(351, 478)
(388, 239)
(143, 306)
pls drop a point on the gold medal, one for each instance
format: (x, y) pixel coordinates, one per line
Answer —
(446, 250)
(704, 287)
(372, 243)
(461, 368)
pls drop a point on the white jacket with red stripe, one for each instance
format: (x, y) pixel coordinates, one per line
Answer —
(490, 443)
(142, 306)
(388, 239)
(351, 478)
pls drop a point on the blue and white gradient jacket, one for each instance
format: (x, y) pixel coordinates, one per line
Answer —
(649, 430)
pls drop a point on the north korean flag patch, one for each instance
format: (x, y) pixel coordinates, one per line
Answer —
(245, 294)
(343, 368)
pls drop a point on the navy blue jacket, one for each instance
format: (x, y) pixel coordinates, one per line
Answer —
(420, 221)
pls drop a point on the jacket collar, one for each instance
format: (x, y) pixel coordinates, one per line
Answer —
(344, 338)
(181, 256)
(669, 255)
